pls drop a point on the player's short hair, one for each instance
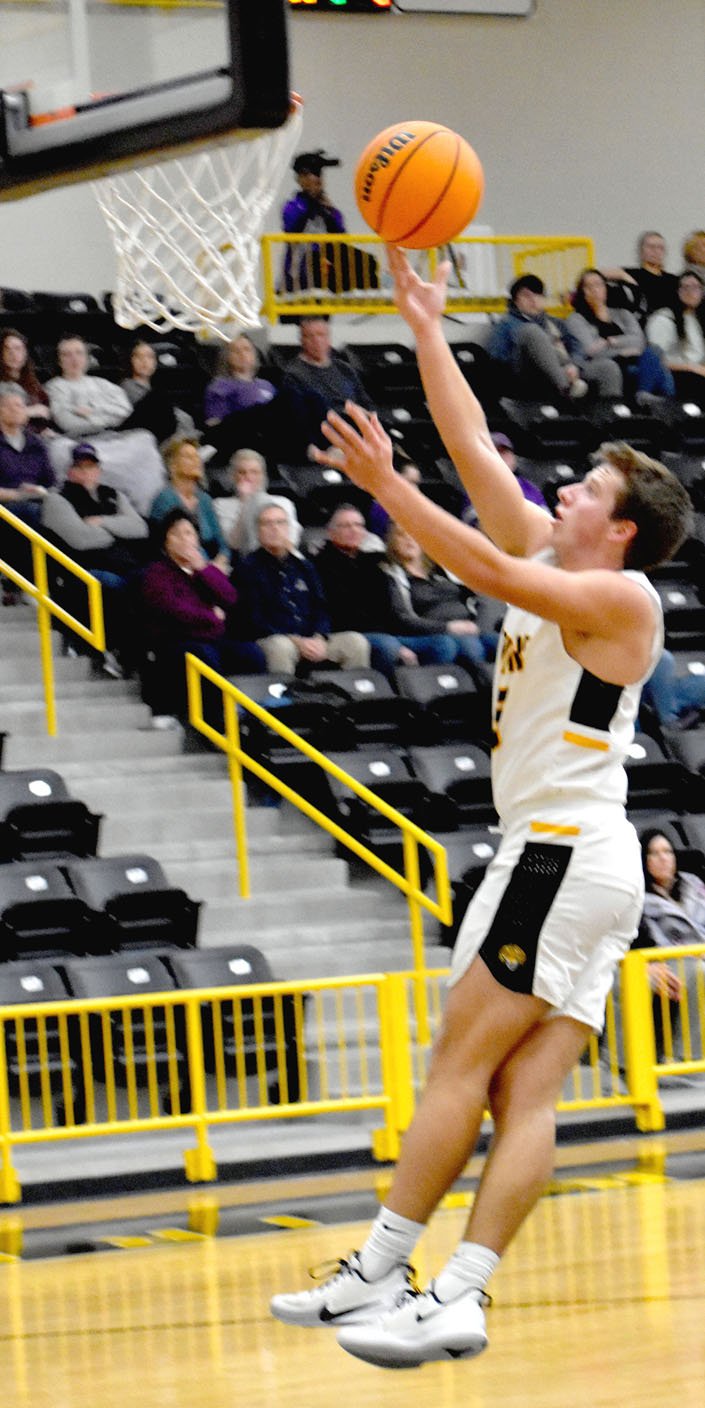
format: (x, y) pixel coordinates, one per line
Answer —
(652, 498)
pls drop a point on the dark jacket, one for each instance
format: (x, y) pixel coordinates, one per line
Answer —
(356, 589)
(282, 596)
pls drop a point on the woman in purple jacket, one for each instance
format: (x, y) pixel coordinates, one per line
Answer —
(188, 607)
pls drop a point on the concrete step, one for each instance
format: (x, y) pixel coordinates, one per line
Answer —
(302, 912)
(103, 770)
(172, 853)
(84, 716)
(116, 742)
(159, 792)
(385, 955)
(100, 688)
(26, 669)
(212, 880)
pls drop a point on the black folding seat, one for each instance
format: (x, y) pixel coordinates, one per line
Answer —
(244, 1031)
(63, 303)
(386, 772)
(688, 747)
(479, 371)
(33, 1049)
(693, 828)
(666, 821)
(384, 366)
(550, 433)
(684, 615)
(39, 912)
(142, 1039)
(446, 702)
(457, 777)
(318, 491)
(645, 432)
(132, 903)
(654, 780)
(310, 709)
(374, 713)
(38, 817)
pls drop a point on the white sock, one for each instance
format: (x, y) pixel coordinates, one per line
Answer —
(391, 1241)
(470, 1265)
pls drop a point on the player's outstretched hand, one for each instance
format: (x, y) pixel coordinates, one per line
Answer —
(419, 303)
(364, 446)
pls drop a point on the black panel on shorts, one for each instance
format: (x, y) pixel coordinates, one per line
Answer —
(595, 703)
(509, 950)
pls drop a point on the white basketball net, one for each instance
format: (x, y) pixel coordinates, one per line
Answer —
(187, 233)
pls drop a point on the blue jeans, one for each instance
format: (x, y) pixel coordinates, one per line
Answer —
(430, 650)
(649, 373)
(670, 694)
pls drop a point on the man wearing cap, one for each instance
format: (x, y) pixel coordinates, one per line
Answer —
(310, 211)
(543, 357)
(97, 526)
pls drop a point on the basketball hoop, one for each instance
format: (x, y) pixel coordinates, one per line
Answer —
(187, 232)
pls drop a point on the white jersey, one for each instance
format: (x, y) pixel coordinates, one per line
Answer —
(561, 734)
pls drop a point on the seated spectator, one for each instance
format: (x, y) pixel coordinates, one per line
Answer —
(615, 357)
(694, 253)
(189, 607)
(25, 477)
(185, 491)
(674, 913)
(677, 700)
(98, 527)
(17, 366)
(653, 287)
(286, 606)
(25, 471)
(378, 519)
(541, 354)
(152, 409)
(426, 603)
(531, 492)
(315, 382)
(358, 593)
(237, 514)
(85, 405)
(238, 403)
(679, 334)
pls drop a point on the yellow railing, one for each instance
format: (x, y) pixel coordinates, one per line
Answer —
(682, 1023)
(207, 1058)
(412, 836)
(356, 280)
(40, 592)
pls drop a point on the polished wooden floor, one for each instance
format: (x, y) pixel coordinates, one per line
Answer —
(599, 1304)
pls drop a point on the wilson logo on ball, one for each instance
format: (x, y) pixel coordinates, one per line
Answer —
(418, 184)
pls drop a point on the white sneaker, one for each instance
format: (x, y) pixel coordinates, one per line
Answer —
(345, 1298)
(162, 721)
(419, 1329)
(578, 389)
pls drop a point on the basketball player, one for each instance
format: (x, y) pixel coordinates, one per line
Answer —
(561, 900)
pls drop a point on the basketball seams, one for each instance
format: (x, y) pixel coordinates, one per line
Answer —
(440, 197)
(407, 158)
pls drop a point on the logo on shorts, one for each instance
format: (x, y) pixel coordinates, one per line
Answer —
(512, 956)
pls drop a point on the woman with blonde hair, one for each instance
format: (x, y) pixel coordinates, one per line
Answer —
(185, 491)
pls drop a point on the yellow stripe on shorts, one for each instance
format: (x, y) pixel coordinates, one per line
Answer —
(583, 742)
(542, 827)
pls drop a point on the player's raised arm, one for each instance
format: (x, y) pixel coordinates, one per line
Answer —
(518, 527)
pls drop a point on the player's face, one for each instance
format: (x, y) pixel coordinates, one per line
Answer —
(661, 862)
(585, 513)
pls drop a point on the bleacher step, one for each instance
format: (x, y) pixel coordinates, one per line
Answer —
(214, 879)
(114, 743)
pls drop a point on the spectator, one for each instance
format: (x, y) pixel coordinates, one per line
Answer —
(679, 334)
(531, 492)
(318, 265)
(238, 402)
(613, 347)
(378, 519)
(653, 287)
(152, 408)
(286, 605)
(358, 593)
(678, 700)
(674, 913)
(17, 366)
(84, 405)
(185, 491)
(98, 527)
(25, 471)
(237, 514)
(427, 603)
(315, 382)
(189, 606)
(694, 253)
(25, 477)
(541, 354)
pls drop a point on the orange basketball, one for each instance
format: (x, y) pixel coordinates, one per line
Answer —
(418, 184)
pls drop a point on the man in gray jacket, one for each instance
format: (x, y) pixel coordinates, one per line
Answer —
(98, 527)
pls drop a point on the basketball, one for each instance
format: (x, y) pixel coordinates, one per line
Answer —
(418, 184)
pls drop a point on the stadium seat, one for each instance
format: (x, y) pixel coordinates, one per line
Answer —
(386, 772)
(688, 747)
(374, 713)
(445, 701)
(237, 965)
(318, 491)
(27, 1053)
(132, 903)
(458, 778)
(39, 913)
(63, 303)
(128, 1039)
(39, 818)
(654, 780)
(683, 614)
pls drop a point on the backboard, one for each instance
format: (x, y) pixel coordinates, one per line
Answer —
(88, 87)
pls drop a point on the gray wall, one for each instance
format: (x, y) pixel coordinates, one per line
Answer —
(589, 118)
